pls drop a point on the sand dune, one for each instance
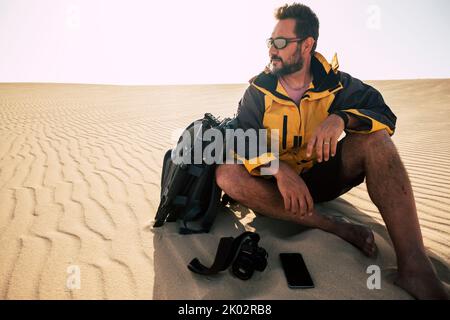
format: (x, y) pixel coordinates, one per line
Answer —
(79, 185)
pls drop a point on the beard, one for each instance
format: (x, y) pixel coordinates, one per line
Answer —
(286, 68)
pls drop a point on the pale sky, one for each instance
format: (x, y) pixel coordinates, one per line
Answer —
(211, 41)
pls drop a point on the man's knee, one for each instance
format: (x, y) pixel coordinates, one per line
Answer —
(369, 146)
(379, 136)
(372, 141)
(230, 176)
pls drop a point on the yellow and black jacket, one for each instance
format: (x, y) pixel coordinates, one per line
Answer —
(266, 105)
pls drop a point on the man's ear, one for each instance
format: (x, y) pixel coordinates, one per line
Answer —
(308, 45)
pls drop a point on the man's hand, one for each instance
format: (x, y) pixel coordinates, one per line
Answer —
(294, 191)
(325, 138)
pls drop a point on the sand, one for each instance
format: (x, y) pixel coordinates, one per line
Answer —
(79, 186)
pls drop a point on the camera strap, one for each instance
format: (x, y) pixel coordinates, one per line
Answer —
(227, 253)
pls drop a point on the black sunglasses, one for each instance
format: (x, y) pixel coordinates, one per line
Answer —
(280, 42)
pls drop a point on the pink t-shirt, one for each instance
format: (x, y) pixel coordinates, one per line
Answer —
(294, 94)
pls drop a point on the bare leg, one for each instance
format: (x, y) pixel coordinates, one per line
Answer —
(390, 190)
(263, 197)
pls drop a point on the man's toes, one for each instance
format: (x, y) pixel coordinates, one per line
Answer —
(369, 250)
(374, 251)
(370, 246)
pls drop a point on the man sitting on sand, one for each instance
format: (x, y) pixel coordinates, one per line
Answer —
(311, 103)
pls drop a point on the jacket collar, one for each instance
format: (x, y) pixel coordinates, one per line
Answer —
(326, 81)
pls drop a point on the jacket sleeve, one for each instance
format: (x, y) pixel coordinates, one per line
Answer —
(250, 117)
(364, 103)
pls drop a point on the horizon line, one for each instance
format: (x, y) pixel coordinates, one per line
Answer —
(187, 84)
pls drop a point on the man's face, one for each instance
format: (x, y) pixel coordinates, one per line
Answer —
(289, 59)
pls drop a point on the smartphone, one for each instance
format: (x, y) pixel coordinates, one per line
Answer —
(295, 270)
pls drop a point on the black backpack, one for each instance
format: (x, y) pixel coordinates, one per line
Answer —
(189, 192)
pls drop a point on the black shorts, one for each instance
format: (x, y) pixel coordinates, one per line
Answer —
(325, 181)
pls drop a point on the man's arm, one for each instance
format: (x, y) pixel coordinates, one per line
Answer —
(363, 106)
(358, 108)
(350, 121)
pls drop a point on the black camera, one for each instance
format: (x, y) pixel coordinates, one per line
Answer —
(251, 257)
(242, 253)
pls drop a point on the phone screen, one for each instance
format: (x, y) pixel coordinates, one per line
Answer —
(297, 274)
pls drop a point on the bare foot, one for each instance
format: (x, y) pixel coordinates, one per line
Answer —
(420, 280)
(359, 236)
(422, 287)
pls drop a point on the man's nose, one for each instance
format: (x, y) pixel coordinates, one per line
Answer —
(273, 51)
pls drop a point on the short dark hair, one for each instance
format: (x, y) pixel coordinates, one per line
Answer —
(307, 23)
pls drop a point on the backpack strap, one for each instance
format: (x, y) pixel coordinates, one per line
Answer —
(213, 207)
(165, 170)
(221, 262)
(209, 215)
(226, 253)
(196, 171)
